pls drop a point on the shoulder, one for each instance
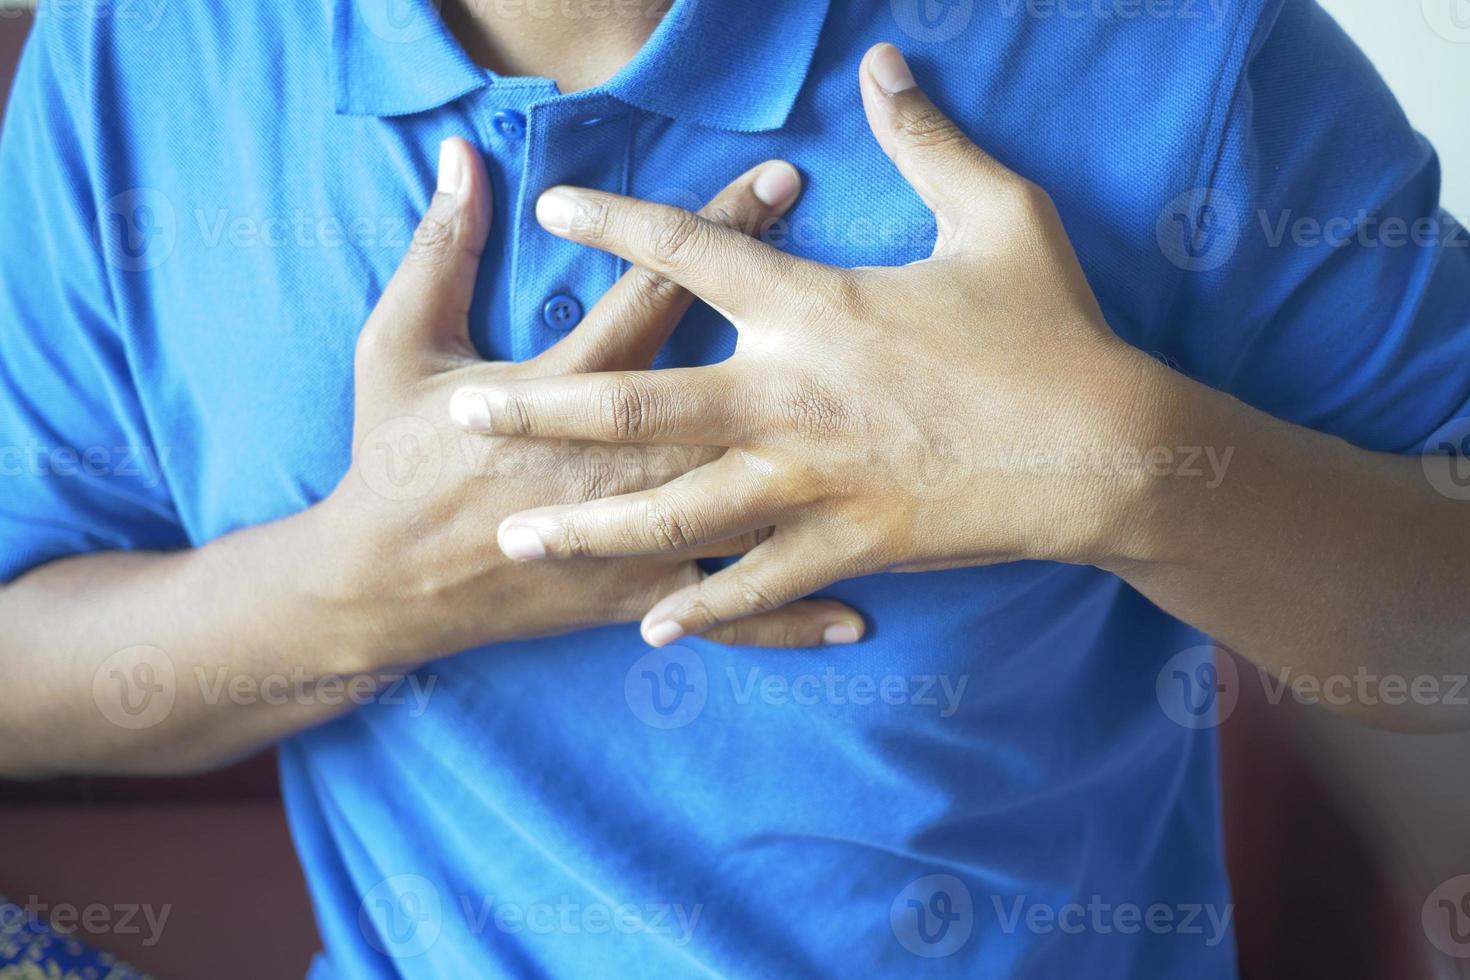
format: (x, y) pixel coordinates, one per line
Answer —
(125, 60)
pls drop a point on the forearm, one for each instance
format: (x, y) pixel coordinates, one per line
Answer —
(164, 663)
(1333, 566)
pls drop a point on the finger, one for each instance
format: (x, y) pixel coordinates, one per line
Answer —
(425, 306)
(722, 500)
(703, 406)
(955, 178)
(779, 571)
(808, 623)
(735, 273)
(626, 328)
(729, 547)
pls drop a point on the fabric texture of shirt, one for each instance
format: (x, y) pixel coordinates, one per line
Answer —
(204, 201)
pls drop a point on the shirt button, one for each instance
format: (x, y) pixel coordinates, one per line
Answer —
(510, 124)
(561, 312)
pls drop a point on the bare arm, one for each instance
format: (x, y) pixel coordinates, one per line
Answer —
(166, 663)
(1338, 568)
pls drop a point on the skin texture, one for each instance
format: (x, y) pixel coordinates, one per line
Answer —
(383, 575)
(578, 45)
(1312, 557)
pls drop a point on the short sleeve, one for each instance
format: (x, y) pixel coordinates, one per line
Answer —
(80, 471)
(1322, 283)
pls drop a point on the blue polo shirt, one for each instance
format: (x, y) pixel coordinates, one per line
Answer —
(1015, 774)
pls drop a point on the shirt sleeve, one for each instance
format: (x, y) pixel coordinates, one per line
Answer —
(1321, 282)
(79, 469)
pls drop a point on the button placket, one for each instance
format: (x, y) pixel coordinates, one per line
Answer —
(569, 140)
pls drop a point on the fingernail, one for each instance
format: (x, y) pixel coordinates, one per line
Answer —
(776, 185)
(470, 409)
(520, 543)
(840, 633)
(890, 71)
(662, 634)
(453, 174)
(555, 210)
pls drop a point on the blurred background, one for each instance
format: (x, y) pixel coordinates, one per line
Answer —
(1342, 840)
(1422, 48)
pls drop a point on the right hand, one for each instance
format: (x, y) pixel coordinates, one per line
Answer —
(414, 521)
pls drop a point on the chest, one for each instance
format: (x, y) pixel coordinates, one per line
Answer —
(259, 269)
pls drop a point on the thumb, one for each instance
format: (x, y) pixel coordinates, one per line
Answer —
(425, 307)
(954, 177)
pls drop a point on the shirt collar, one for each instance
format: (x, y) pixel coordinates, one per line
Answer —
(705, 62)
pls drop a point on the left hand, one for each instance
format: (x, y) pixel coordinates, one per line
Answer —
(992, 353)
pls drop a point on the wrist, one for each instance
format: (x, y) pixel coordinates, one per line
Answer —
(1136, 426)
(326, 571)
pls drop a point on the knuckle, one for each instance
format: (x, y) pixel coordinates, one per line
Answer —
(1028, 200)
(813, 409)
(729, 216)
(372, 345)
(432, 240)
(790, 633)
(928, 128)
(678, 239)
(671, 528)
(652, 292)
(794, 633)
(699, 613)
(755, 595)
(626, 409)
(592, 219)
(516, 416)
(842, 292)
(574, 541)
(820, 296)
